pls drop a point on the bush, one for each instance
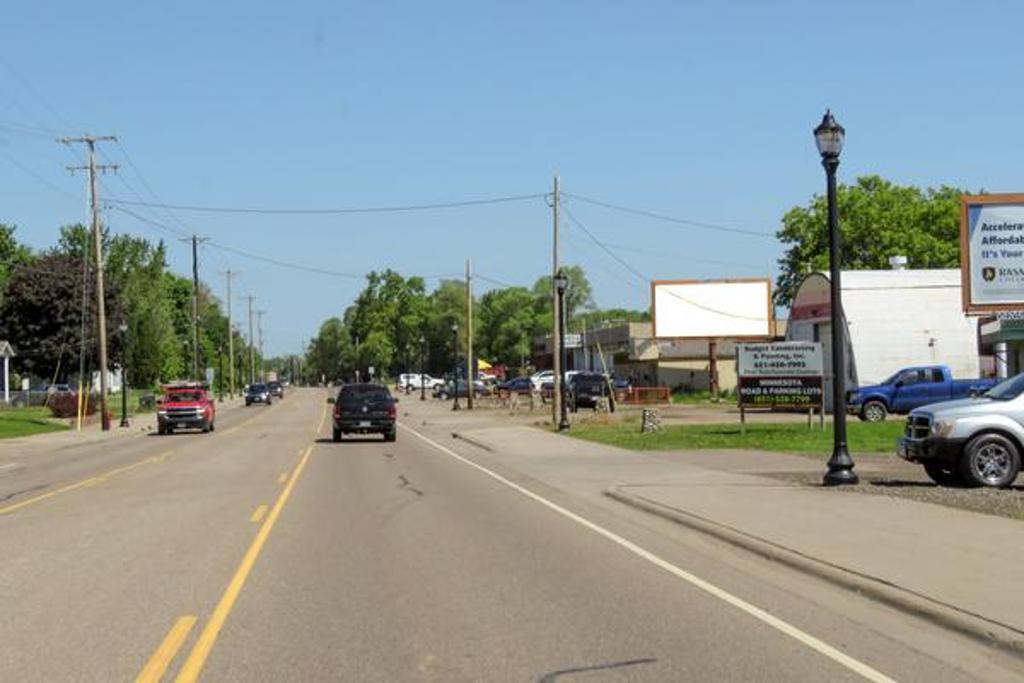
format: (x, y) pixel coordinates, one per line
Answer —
(66, 405)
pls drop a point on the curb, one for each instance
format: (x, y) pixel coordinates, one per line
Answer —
(472, 442)
(972, 625)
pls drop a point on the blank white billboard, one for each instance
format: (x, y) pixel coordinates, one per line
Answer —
(713, 309)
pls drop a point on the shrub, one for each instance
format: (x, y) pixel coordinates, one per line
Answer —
(66, 405)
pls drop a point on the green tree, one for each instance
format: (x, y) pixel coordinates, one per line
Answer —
(12, 254)
(579, 295)
(878, 219)
(507, 322)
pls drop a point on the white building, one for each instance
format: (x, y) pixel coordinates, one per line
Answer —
(894, 318)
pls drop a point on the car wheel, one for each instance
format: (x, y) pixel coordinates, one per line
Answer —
(942, 474)
(161, 430)
(336, 436)
(873, 411)
(213, 426)
(206, 429)
(990, 460)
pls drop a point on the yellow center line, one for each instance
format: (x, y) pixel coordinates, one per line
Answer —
(257, 515)
(164, 655)
(197, 658)
(91, 481)
(281, 478)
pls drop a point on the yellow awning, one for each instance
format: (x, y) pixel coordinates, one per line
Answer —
(482, 364)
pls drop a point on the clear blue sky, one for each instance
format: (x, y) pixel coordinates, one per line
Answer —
(699, 110)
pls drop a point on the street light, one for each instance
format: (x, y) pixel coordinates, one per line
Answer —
(561, 284)
(423, 380)
(123, 329)
(455, 374)
(829, 136)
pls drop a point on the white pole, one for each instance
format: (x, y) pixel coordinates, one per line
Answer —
(7, 380)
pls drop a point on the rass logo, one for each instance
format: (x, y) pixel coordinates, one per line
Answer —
(988, 273)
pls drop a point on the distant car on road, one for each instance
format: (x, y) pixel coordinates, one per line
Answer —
(586, 389)
(258, 393)
(186, 405)
(364, 409)
(447, 391)
(276, 389)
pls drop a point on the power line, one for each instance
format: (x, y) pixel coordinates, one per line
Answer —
(669, 219)
(647, 279)
(328, 211)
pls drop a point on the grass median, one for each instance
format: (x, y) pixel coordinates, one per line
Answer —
(862, 437)
(16, 422)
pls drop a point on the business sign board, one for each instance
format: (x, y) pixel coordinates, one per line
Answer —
(780, 375)
(712, 309)
(992, 252)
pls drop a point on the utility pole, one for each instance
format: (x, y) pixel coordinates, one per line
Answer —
(97, 236)
(231, 337)
(470, 375)
(195, 240)
(556, 323)
(252, 347)
(259, 334)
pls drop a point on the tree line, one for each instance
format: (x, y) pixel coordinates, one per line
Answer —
(395, 324)
(48, 309)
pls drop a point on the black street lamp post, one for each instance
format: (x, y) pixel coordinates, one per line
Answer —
(455, 373)
(220, 373)
(423, 380)
(123, 329)
(829, 136)
(561, 284)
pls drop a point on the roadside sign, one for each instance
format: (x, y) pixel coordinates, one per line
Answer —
(992, 253)
(209, 376)
(780, 375)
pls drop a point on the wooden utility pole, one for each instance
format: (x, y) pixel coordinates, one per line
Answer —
(259, 334)
(97, 236)
(195, 240)
(231, 336)
(252, 345)
(556, 323)
(470, 376)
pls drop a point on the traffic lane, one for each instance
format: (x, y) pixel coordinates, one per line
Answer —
(94, 580)
(393, 562)
(905, 645)
(27, 475)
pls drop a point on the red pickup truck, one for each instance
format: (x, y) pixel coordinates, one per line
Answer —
(186, 405)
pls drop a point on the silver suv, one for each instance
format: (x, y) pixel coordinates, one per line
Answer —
(975, 441)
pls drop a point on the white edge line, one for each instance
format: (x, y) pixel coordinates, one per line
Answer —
(807, 639)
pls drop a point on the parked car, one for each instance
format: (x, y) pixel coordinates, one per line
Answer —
(186, 405)
(519, 385)
(974, 441)
(586, 389)
(446, 391)
(276, 389)
(539, 378)
(412, 381)
(911, 388)
(257, 393)
(364, 409)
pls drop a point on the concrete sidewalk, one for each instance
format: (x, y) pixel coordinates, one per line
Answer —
(955, 567)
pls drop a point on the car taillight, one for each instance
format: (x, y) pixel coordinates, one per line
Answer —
(392, 412)
(337, 411)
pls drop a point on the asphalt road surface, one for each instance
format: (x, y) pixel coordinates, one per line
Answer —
(264, 552)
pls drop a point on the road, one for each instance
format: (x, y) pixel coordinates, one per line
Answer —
(264, 552)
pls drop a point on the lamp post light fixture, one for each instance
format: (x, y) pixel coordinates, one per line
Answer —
(829, 136)
(423, 379)
(562, 284)
(455, 367)
(123, 329)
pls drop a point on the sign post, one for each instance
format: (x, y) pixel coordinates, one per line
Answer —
(779, 375)
(7, 352)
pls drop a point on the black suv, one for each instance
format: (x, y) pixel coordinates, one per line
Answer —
(257, 393)
(364, 409)
(586, 388)
(276, 389)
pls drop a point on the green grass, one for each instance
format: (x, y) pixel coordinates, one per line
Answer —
(863, 437)
(16, 422)
(697, 397)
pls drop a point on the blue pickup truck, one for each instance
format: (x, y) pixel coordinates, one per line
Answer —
(912, 388)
